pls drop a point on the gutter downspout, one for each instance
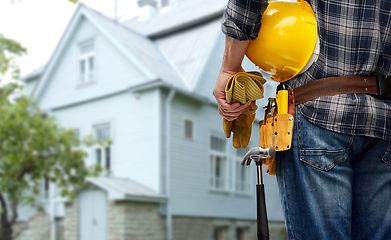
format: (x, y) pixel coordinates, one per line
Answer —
(168, 163)
(52, 201)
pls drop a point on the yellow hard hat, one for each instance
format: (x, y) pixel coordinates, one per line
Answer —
(287, 42)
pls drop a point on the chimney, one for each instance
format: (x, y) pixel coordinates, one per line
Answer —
(142, 3)
(164, 3)
(147, 8)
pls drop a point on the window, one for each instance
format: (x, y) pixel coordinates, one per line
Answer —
(219, 233)
(76, 133)
(189, 129)
(240, 233)
(218, 163)
(103, 152)
(86, 62)
(242, 175)
(46, 188)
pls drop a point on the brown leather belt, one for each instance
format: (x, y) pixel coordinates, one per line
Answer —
(377, 85)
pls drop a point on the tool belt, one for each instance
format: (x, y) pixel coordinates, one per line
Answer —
(376, 85)
(276, 129)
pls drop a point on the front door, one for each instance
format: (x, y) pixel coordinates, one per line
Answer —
(93, 214)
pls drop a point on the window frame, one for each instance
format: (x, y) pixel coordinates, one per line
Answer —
(106, 160)
(77, 133)
(85, 57)
(239, 183)
(45, 194)
(220, 232)
(192, 137)
(240, 233)
(215, 183)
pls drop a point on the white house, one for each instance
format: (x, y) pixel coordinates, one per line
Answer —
(146, 84)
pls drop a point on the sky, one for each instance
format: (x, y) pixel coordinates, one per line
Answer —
(39, 24)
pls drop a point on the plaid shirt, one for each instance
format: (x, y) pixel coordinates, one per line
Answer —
(355, 39)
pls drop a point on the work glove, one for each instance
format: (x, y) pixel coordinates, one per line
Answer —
(241, 128)
(243, 87)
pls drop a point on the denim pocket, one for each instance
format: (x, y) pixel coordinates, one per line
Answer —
(387, 156)
(321, 148)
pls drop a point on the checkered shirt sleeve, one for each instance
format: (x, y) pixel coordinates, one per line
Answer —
(242, 18)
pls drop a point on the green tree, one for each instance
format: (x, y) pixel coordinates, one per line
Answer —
(32, 148)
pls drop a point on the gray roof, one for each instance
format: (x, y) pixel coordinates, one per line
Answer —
(141, 47)
(189, 50)
(33, 74)
(123, 188)
(182, 14)
(175, 43)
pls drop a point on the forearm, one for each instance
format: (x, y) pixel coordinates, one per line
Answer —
(233, 54)
(232, 63)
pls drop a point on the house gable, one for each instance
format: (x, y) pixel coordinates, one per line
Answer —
(115, 48)
(112, 71)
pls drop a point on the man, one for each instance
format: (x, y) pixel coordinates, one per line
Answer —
(335, 182)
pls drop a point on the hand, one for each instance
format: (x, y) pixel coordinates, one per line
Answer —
(228, 111)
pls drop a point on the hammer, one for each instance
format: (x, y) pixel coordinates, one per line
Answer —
(257, 154)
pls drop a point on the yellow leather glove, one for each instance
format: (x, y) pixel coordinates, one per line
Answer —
(243, 87)
(241, 128)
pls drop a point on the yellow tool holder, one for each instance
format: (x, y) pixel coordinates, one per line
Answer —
(277, 127)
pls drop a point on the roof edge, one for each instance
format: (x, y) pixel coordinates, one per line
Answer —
(185, 25)
(117, 195)
(138, 88)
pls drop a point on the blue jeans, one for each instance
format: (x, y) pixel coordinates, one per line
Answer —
(335, 186)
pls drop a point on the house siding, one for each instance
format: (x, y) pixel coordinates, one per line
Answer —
(28, 86)
(190, 193)
(132, 118)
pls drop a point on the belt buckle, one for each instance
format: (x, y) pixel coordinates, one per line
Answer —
(383, 86)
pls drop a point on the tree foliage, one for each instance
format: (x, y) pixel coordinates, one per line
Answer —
(33, 147)
(9, 50)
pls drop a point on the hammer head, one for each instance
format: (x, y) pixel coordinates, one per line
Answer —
(257, 154)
